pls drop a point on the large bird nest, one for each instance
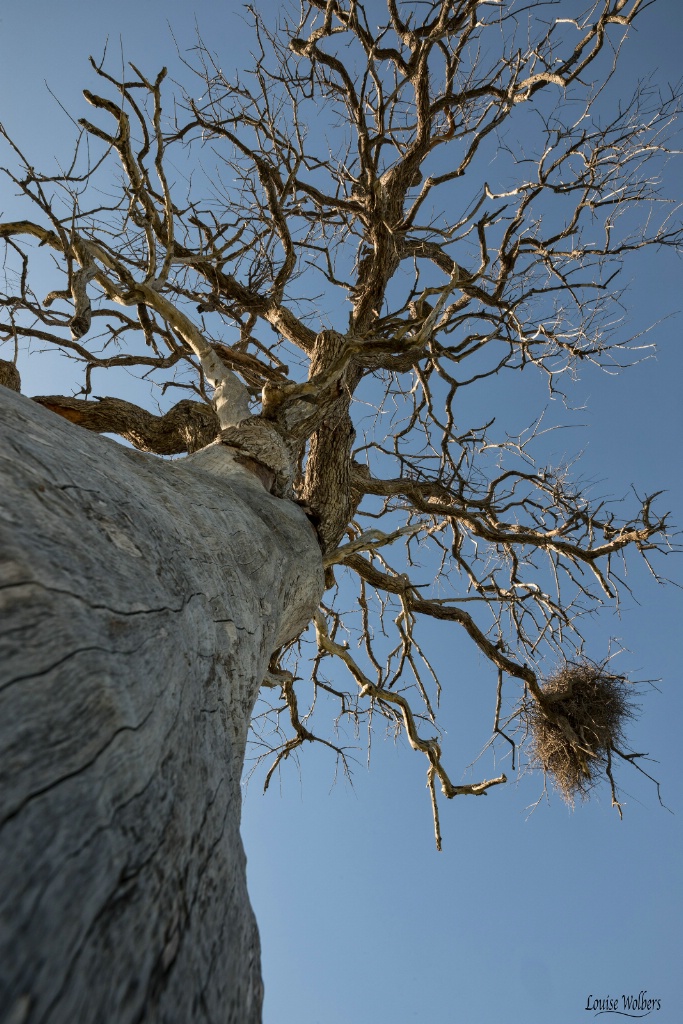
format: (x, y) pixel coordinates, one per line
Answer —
(578, 725)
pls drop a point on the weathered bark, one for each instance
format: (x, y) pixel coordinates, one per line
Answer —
(187, 427)
(9, 375)
(327, 490)
(141, 601)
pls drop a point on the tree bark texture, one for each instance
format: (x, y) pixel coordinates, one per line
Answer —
(187, 427)
(140, 601)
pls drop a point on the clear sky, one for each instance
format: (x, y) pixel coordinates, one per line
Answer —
(523, 916)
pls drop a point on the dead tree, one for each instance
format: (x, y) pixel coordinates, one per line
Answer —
(314, 252)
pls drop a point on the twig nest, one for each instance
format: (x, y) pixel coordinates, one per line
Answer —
(581, 721)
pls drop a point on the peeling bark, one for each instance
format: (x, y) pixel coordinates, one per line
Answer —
(140, 603)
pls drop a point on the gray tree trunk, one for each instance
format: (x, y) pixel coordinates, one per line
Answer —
(140, 601)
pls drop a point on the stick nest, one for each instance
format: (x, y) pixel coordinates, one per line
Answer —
(578, 726)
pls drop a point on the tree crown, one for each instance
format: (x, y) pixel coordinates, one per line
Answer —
(325, 254)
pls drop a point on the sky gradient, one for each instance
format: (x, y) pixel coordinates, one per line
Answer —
(525, 914)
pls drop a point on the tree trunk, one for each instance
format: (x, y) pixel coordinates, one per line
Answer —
(140, 602)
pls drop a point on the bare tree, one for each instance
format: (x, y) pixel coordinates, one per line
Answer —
(322, 253)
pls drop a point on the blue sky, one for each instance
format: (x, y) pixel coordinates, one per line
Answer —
(523, 916)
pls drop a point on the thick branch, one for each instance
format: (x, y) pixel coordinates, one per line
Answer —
(186, 427)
